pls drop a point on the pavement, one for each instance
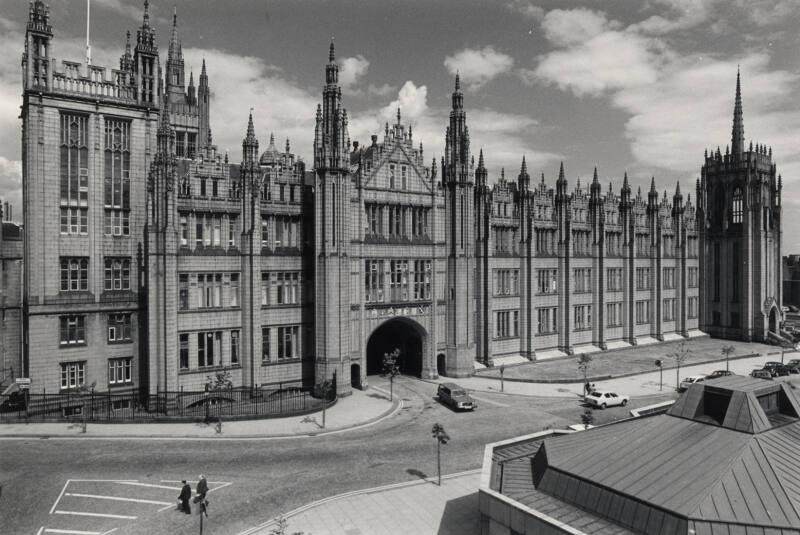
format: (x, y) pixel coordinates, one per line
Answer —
(413, 508)
(356, 411)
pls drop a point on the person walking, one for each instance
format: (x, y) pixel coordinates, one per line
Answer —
(202, 489)
(186, 493)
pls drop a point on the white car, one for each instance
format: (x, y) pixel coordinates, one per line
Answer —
(692, 379)
(603, 399)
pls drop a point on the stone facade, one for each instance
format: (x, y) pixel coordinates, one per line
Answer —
(10, 294)
(285, 275)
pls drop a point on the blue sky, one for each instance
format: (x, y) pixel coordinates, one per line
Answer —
(636, 86)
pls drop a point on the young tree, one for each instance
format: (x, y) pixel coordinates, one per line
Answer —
(218, 382)
(441, 437)
(726, 352)
(682, 352)
(391, 367)
(584, 361)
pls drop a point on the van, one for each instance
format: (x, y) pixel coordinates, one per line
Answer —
(455, 397)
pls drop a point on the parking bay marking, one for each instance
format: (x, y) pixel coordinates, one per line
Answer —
(116, 498)
(70, 531)
(100, 515)
(489, 401)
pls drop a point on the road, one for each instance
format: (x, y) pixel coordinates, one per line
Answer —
(253, 481)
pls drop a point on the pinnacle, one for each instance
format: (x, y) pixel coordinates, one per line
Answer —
(561, 173)
(174, 16)
(653, 184)
(251, 130)
(398, 115)
(524, 168)
(458, 81)
(331, 53)
(271, 141)
(595, 180)
(678, 188)
(203, 68)
(288, 147)
(480, 158)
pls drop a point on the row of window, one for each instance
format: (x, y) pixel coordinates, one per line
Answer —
(219, 290)
(72, 329)
(73, 374)
(409, 280)
(395, 221)
(75, 274)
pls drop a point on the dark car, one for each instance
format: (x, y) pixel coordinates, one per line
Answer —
(793, 365)
(776, 369)
(718, 373)
(761, 374)
(455, 397)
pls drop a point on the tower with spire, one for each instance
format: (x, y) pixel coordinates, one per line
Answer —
(483, 255)
(739, 217)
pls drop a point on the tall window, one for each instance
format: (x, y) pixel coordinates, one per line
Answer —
(692, 275)
(234, 302)
(669, 309)
(422, 279)
(614, 279)
(74, 174)
(288, 342)
(119, 371)
(506, 282)
(391, 176)
(373, 281)
(613, 314)
(399, 280)
(692, 307)
(119, 328)
(736, 210)
(117, 274)
(73, 330)
(506, 324)
(288, 288)
(209, 345)
(183, 351)
(642, 311)
(547, 281)
(642, 278)
(74, 274)
(183, 291)
(265, 348)
(583, 280)
(404, 182)
(582, 317)
(235, 347)
(73, 374)
(117, 171)
(547, 320)
(184, 230)
(265, 280)
(669, 278)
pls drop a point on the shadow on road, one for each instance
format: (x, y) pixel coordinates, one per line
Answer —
(417, 473)
(311, 420)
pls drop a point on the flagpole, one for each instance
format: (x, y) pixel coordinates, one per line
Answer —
(88, 45)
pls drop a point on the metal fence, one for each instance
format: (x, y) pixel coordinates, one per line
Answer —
(132, 406)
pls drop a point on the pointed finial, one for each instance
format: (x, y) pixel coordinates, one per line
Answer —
(458, 81)
(625, 180)
(251, 130)
(502, 174)
(398, 115)
(524, 168)
(480, 158)
(203, 68)
(610, 187)
(288, 147)
(191, 78)
(331, 53)
(678, 188)
(128, 42)
(561, 172)
(737, 136)
(146, 17)
(595, 180)
(174, 16)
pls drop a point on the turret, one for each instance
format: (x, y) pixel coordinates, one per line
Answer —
(480, 171)
(625, 192)
(595, 189)
(175, 65)
(147, 70)
(652, 195)
(250, 143)
(561, 185)
(524, 179)
(36, 58)
(677, 200)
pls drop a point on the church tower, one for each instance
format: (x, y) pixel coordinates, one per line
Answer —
(457, 177)
(739, 217)
(332, 232)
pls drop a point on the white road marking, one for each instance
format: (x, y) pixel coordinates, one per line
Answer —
(112, 530)
(104, 480)
(59, 496)
(72, 531)
(117, 498)
(489, 401)
(222, 486)
(101, 515)
(40, 531)
(168, 506)
(148, 485)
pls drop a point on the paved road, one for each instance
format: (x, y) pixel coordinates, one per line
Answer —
(253, 480)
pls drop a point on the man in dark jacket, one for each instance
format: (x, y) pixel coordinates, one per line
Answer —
(202, 489)
(186, 493)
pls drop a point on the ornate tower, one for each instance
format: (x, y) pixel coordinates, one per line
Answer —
(483, 228)
(564, 218)
(147, 70)
(36, 65)
(457, 176)
(526, 250)
(332, 232)
(739, 217)
(204, 108)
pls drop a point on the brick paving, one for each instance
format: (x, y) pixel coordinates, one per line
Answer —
(620, 362)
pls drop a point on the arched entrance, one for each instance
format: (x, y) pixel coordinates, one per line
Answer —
(773, 321)
(355, 376)
(398, 333)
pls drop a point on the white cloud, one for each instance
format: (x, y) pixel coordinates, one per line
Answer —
(350, 72)
(681, 15)
(565, 27)
(526, 8)
(411, 99)
(478, 66)
(381, 91)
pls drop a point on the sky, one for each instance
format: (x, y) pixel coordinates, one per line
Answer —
(636, 86)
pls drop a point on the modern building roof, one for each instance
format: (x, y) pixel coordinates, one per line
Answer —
(724, 459)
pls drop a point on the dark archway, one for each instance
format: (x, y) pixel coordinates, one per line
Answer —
(773, 321)
(398, 333)
(355, 376)
(440, 364)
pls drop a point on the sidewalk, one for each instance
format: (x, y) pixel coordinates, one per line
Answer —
(357, 410)
(413, 508)
(627, 361)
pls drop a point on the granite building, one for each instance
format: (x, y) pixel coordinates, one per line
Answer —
(157, 261)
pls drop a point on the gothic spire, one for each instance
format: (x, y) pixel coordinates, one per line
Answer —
(737, 136)
(331, 53)
(523, 169)
(250, 143)
(561, 177)
(288, 146)
(480, 159)
(146, 17)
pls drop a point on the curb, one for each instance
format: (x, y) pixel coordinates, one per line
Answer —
(607, 377)
(397, 405)
(273, 521)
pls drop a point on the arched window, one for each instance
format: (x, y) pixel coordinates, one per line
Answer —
(737, 205)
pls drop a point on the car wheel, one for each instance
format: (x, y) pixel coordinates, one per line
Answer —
(603, 406)
(624, 402)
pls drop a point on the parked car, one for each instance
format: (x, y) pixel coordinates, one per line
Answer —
(718, 373)
(692, 379)
(761, 374)
(603, 399)
(455, 397)
(776, 369)
(793, 365)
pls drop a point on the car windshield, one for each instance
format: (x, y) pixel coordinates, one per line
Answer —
(596, 394)
(459, 393)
